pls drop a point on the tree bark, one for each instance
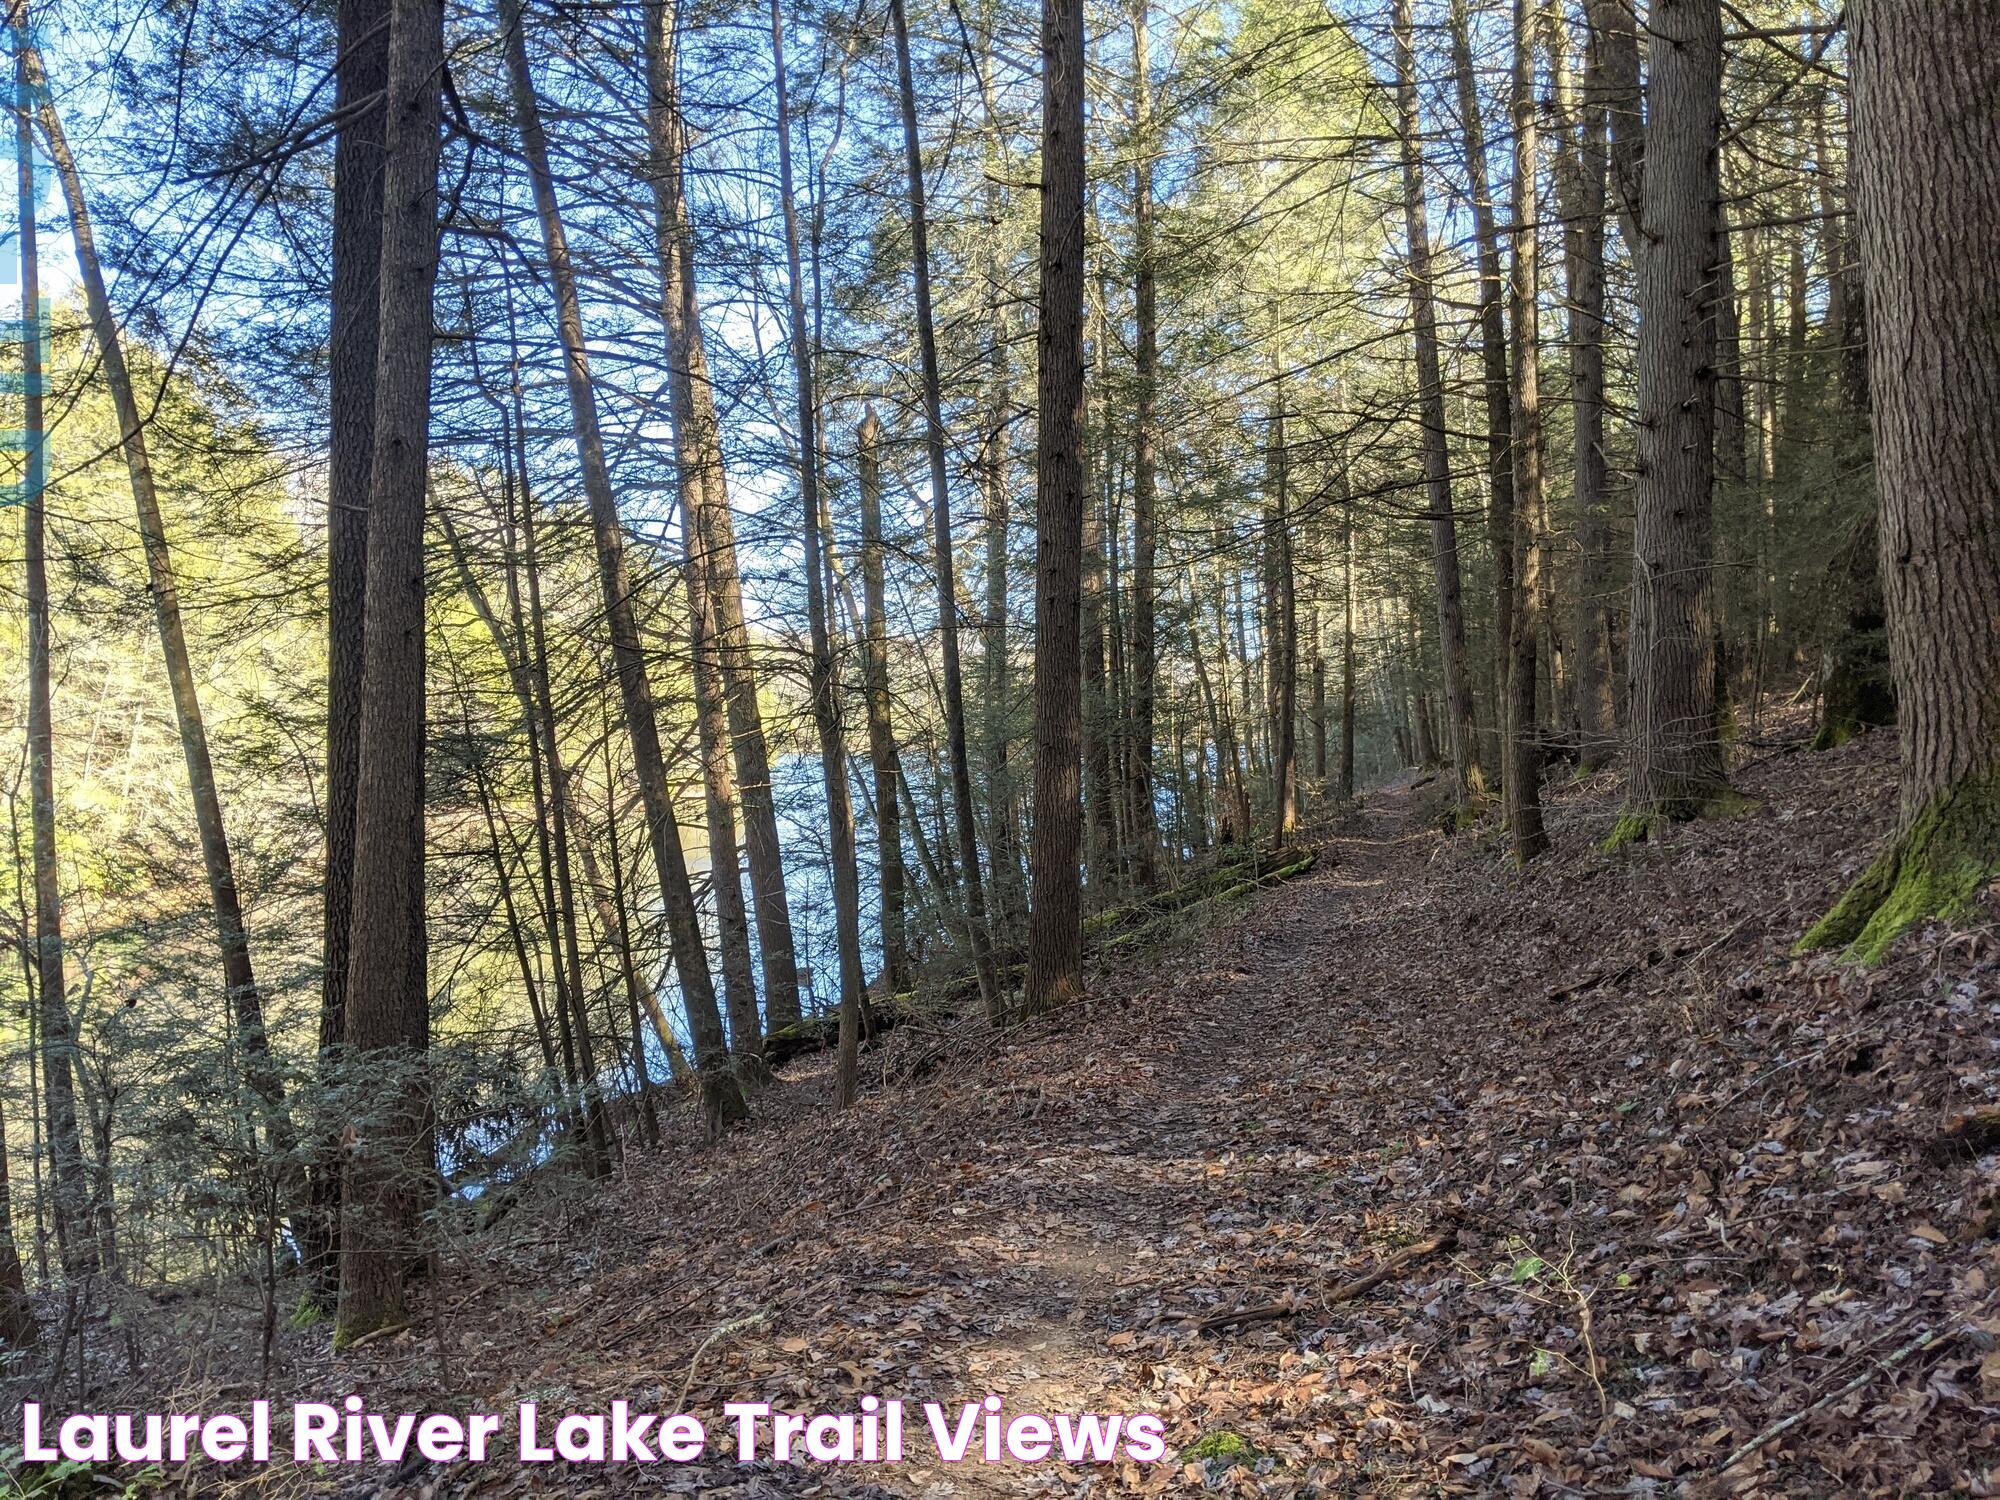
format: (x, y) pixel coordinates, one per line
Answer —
(698, 442)
(1927, 142)
(1144, 833)
(972, 888)
(1581, 179)
(1468, 777)
(360, 75)
(70, 1196)
(883, 760)
(1055, 918)
(1523, 775)
(1677, 770)
(1282, 639)
(1493, 362)
(18, 1329)
(260, 1068)
(391, 1167)
(825, 680)
(721, 1090)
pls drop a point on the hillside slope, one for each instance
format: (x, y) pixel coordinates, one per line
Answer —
(1644, 1185)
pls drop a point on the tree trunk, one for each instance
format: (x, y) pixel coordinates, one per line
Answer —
(708, 540)
(1144, 832)
(1928, 165)
(1469, 780)
(1003, 819)
(1582, 185)
(18, 1329)
(391, 1167)
(260, 1069)
(58, 1042)
(697, 435)
(972, 888)
(882, 757)
(361, 72)
(1346, 642)
(1523, 775)
(825, 682)
(1281, 645)
(1055, 918)
(1677, 768)
(721, 1090)
(1493, 361)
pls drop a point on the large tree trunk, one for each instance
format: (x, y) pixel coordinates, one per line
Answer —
(1927, 141)
(882, 757)
(698, 441)
(972, 888)
(1677, 768)
(825, 679)
(1493, 363)
(1430, 397)
(722, 1092)
(1523, 775)
(1581, 184)
(390, 1168)
(1055, 918)
(360, 74)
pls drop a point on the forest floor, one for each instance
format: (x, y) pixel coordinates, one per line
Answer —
(1645, 1187)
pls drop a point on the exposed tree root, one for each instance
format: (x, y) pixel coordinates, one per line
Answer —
(1933, 869)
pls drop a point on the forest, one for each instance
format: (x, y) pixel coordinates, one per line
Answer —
(1281, 716)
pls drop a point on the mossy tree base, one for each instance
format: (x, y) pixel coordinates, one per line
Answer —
(1642, 825)
(1933, 869)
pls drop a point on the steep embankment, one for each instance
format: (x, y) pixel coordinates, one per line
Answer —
(1644, 1185)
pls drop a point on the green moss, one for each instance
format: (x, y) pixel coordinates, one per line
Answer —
(1632, 828)
(308, 1314)
(1727, 803)
(1232, 1447)
(1933, 869)
(1103, 922)
(1638, 827)
(1833, 734)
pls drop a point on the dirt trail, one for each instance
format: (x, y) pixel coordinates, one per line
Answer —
(1688, 1177)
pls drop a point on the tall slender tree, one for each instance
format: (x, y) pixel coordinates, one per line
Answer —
(973, 891)
(722, 1091)
(77, 1247)
(1468, 777)
(824, 684)
(1055, 916)
(884, 761)
(698, 444)
(260, 1069)
(1523, 775)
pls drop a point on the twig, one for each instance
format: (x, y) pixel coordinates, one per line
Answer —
(379, 1333)
(1346, 1292)
(721, 1330)
(1887, 1361)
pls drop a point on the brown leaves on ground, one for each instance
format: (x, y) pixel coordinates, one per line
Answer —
(1688, 1188)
